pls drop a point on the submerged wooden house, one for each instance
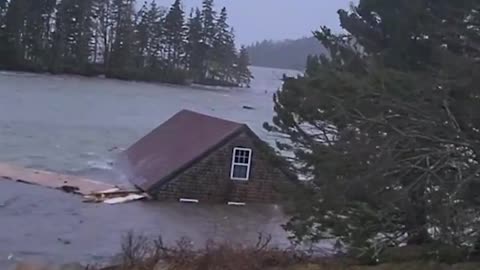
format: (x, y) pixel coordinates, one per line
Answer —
(196, 157)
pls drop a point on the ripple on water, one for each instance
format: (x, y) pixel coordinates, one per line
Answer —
(70, 124)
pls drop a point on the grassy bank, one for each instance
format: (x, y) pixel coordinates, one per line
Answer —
(141, 253)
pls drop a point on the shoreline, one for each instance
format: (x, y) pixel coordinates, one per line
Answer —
(199, 86)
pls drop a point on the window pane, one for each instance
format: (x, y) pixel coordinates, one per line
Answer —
(240, 171)
(242, 157)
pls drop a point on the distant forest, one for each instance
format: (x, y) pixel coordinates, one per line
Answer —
(117, 39)
(289, 54)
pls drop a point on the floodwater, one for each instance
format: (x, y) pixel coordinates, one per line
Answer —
(77, 125)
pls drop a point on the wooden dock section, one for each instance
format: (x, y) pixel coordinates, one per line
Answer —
(67, 183)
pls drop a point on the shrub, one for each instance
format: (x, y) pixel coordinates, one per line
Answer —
(140, 253)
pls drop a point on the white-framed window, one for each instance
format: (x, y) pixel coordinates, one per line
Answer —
(241, 162)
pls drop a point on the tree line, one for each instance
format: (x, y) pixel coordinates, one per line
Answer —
(113, 38)
(387, 131)
(288, 54)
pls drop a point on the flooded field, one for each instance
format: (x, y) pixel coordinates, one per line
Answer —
(77, 125)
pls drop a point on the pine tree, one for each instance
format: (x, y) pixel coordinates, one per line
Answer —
(109, 37)
(208, 22)
(313, 65)
(104, 31)
(74, 38)
(155, 33)
(142, 36)
(195, 49)
(148, 40)
(15, 19)
(387, 130)
(208, 35)
(38, 31)
(175, 36)
(3, 9)
(223, 50)
(122, 53)
(242, 71)
(3, 37)
(3, 12)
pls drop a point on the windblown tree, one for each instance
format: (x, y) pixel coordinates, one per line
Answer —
(387, 128)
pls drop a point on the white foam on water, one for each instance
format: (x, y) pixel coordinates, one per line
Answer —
(100, 164)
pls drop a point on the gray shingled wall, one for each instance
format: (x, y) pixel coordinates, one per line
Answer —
(209, 179)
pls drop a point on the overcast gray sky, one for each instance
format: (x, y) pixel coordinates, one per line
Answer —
(255, 20)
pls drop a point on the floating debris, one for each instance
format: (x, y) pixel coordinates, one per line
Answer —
(93, 191)
(128, 198)
(67, 183)
(64, 241)
(115, 196)
(69, 189)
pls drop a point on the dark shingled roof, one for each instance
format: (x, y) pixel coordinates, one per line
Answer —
(175, 146)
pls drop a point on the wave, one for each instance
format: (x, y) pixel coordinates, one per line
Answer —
(100, 164)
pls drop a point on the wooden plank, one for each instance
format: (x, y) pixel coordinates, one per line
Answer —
(126, 199)
(68, 183)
